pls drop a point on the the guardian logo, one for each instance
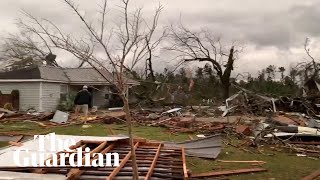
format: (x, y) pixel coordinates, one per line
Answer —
(76, 157)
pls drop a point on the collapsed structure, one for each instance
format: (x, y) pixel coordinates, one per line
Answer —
(155, 160)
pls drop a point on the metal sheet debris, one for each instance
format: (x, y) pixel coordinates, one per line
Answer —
(115, 109)
(207, 147)
(60, 117)
(174, 112)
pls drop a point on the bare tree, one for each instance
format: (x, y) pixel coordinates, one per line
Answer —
(202, 46)
(123, 44)
(148, 46)
(23, 50)
(27, 47)
(309, 69)
(313, 64)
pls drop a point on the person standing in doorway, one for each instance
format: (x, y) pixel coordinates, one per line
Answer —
(82, 102)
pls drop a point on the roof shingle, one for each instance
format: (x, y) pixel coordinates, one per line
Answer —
(67, 75)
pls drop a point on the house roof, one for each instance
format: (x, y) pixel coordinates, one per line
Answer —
(32, 73)
(65, 75)
(52, 73)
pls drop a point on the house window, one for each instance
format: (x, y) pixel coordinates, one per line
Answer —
(63, 92)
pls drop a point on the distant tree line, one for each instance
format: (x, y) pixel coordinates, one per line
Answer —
(207, 84)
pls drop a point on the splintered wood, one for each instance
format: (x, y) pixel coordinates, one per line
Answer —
(228, 172)
(153, 159)
(312, 176)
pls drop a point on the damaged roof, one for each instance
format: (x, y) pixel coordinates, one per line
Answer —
(57, 74)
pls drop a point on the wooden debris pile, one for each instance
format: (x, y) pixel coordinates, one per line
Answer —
(249, 102)
(276, 132)
(154, 160)
(18, 117)
(44, 119)
(181, 124)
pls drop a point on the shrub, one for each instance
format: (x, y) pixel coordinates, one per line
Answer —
(8, 106)
(68, 103)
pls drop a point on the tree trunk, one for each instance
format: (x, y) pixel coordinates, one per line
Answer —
(149, 63)
(225, 90)
(151, 69)
(133, 152)
(225, 78)
(316, 70)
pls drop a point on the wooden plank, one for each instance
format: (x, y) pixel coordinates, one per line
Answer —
(312, 176)
(16, 143)
(123, 162)
(228, 172)
(139, 140)
(255, 162)
(97, 149)
(12, 143)
(185, 171)
(83, 146)
(111, 130)
(92, 142)
(78, 144)
(76, 172)
(305, 143)
(154, 162)
(20, 137)
(6, 111)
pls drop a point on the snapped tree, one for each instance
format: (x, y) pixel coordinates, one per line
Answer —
(309, 69)
(312, 66)
(203, 46)
(109, 44)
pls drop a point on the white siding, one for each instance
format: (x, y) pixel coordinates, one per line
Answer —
(50, 96)
(28, 93)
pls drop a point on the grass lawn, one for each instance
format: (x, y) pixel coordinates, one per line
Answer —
(282, 166)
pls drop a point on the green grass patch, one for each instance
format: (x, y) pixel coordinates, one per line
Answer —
(282, 166)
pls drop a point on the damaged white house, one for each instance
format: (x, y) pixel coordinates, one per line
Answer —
(41, 88)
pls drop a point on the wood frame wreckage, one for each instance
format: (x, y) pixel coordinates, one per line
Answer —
(154, 160)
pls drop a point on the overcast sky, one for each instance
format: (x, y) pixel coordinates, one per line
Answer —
(271, 31)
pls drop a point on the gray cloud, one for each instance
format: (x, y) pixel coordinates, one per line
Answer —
(270, 28)
(264, 23)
